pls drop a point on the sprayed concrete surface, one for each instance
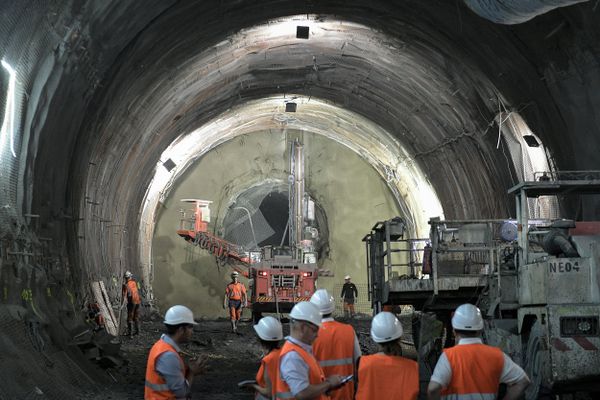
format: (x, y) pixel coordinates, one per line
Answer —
(349, 191)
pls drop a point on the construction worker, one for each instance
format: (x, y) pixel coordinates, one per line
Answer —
(167, 376)
(300, 376)
(270, 332)
(132, 296)
(336, 348)
(349, 293)
(472, 369)
(387, 375)
(235, 299)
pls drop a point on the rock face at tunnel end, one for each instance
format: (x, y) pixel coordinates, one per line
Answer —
(344, 185)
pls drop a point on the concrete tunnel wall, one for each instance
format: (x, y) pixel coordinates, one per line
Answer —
(104, 87)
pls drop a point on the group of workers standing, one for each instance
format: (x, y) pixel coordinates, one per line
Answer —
(321, 359)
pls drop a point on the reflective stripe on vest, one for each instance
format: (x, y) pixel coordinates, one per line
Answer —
(488, 361)
(334, 349)
(387, 377)
(471, 396)
(332, 363)
(284, 395)
(315, 373)
(156, 387)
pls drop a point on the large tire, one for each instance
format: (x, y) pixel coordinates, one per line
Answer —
(535, 364)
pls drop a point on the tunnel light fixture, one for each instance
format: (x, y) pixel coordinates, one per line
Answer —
(302, 32)
(290, 107)
(8, 126)
(531, 141)
(169, 164)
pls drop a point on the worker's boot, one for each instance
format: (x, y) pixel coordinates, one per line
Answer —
(233, 326)
(128, 331)
(136, 331)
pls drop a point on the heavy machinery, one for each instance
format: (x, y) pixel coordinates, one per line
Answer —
(536, 281)
(279, 276)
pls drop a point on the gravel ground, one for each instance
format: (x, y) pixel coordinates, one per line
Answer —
(233, 358)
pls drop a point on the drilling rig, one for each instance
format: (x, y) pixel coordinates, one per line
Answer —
(279, 276)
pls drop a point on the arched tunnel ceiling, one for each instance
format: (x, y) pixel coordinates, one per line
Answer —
(103, 88)
(432, 74)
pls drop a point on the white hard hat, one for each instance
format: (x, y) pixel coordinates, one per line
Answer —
(235, 273)
(128, 274)
(385, 327)
(306, 311)
(269, 328)
(467, 317)
(179, 315)
(322, 299)
(347, 277)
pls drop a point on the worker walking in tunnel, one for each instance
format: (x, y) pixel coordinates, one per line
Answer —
(471, 368)
(387, 375)
(349, 294)
(132, 296)
(300, 376)
(336, 348)
(167, 375)
(235, 299)
(270, 333)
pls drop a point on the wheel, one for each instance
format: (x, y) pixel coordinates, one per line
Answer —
(535, 364)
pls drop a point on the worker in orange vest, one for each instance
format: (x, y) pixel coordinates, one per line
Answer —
(167, 375)
(132, 296)
(270, 333)
(387, 375)
(471, 368)
(235, 299)
(300, 376)
(336, 348)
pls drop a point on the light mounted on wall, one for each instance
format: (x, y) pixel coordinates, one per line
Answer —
(8, 126)
(169, 164)
(302, 32)
(290, 107)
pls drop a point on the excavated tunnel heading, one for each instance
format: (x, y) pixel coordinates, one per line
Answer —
(112, 111)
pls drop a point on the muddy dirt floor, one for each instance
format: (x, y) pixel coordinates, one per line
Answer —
(233, 358)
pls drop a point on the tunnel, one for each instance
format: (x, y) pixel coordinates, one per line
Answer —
(113, 112)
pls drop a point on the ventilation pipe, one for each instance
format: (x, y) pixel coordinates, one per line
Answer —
(511, 12)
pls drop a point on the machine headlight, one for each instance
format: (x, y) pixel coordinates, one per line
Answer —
(584, 326)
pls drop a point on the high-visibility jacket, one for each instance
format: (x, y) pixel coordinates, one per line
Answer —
(334, 350)
(387, 377)
(315, 373)
(476, 370)
(156, 387)
(268, 373)
(133, 296)
(234, 291)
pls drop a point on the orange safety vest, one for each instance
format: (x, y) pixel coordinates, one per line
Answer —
(234, 291)
(476, 369)
(315, 373)
(334, 350)
(387, 377)
(268, 372)
(132, 292)
(156, 387)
